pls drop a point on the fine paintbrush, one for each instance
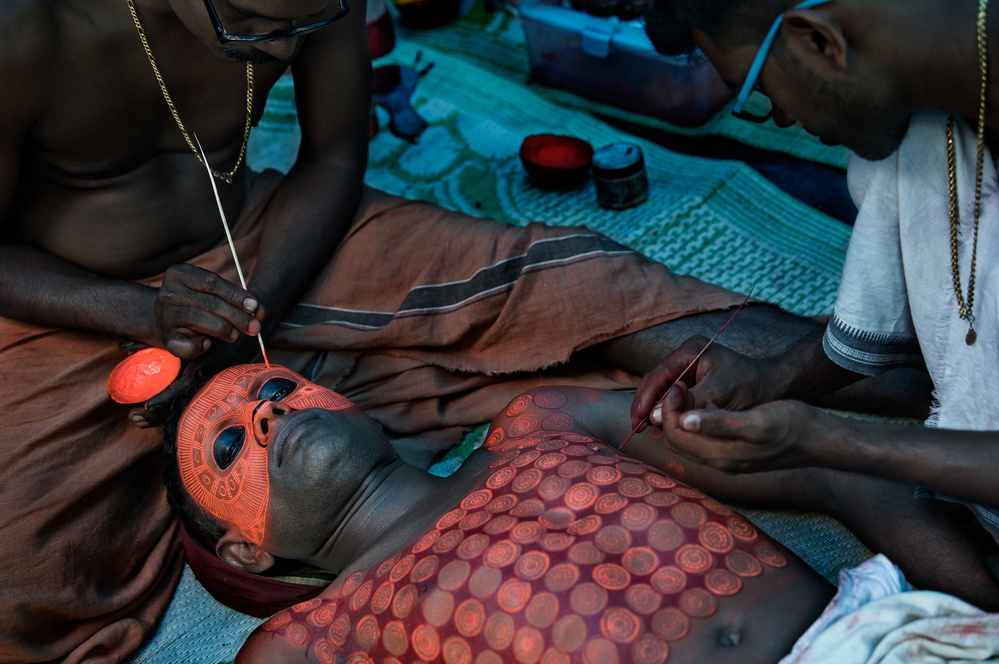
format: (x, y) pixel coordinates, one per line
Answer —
(692, 363)
(228, 235)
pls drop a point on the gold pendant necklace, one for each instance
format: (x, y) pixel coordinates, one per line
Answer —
(955, 217)
(225, 177)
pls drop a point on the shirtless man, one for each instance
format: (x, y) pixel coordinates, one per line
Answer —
(547, 544)
(110, 234)
(545, 541)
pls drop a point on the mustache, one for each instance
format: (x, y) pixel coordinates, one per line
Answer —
(253, 56)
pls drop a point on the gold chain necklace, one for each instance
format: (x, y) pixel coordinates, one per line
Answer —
(955, 218)
(225, 177)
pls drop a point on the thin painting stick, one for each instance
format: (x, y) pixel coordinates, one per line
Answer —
(692, 363)
(228, 235)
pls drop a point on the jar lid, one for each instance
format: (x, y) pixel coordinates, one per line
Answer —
(618, 160)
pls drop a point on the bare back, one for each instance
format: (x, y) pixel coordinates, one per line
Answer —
(93, 168)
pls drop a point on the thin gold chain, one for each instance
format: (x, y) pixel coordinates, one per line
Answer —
(225, 177)
(955, 218)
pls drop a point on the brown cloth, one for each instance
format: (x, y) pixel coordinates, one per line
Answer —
(466, 313)
(430, 320)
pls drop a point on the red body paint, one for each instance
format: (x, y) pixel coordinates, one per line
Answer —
(537, 571)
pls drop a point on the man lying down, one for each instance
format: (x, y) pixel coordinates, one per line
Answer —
(547, 545)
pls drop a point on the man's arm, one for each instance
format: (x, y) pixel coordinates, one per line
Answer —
(315, 204)
(790, 434)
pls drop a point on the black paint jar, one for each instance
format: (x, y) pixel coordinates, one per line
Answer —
(619, 176)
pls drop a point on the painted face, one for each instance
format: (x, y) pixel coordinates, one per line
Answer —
(220, 452)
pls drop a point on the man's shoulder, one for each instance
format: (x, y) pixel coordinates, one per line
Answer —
(534, 415)
(30, 43)
(29, 29)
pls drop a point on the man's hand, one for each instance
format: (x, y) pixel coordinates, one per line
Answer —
(773, 436)
(194, 305)
(721, 376)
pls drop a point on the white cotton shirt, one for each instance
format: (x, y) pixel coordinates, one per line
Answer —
(896, 298)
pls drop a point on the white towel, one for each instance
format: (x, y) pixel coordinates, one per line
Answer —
(876, 618)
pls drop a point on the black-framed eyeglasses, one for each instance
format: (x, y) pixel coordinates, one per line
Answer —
(738, 109)
(224, 37)
(762, 108)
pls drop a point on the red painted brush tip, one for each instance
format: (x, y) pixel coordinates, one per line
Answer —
(143, 375)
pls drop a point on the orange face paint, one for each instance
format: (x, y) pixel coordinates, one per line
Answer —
(223, 464)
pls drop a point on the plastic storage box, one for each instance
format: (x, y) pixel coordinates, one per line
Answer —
(613, 62)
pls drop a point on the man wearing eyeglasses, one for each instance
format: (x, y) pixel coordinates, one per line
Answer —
(906, 85)
(111, 233)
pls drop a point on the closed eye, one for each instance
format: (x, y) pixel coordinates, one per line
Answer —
(276, 389)
(227, 446)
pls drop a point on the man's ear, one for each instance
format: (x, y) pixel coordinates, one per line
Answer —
(814, 34)
(236, 550)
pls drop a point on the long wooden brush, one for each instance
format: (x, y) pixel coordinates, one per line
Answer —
(228, 235)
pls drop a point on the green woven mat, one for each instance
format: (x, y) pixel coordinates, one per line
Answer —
(197, 629)
(717, 220)
(495, 42)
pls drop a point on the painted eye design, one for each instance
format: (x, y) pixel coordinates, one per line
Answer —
(276, 389)
(227, 446)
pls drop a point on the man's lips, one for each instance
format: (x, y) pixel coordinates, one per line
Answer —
(288, 433)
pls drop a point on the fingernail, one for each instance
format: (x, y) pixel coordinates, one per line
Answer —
(250, 304)
(254, 327)
(657, 415)
(691, 422)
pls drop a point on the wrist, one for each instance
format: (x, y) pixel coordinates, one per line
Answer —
(825, 440)
(776, 376)
(803, 371)
(136, 314)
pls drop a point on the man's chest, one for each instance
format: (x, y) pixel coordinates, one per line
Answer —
(106, 110)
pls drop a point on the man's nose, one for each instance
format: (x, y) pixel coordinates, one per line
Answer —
(264, 417)
(782, 118)
(282, 49)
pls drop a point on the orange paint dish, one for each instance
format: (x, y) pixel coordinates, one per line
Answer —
(142, 375)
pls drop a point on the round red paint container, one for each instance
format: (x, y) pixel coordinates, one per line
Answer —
(556, 161)
(381, 32)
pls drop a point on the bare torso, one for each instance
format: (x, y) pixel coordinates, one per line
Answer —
(552, 543)
(106, 179)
